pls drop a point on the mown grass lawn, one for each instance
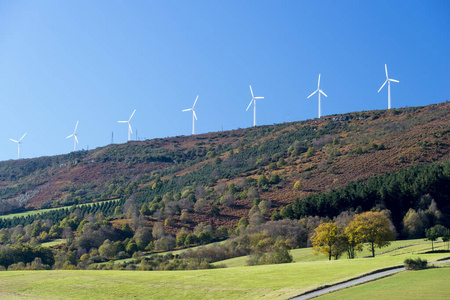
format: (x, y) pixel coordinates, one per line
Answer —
(424, 284)
(266, 282)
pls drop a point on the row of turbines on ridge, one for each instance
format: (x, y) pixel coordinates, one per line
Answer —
(194, 115)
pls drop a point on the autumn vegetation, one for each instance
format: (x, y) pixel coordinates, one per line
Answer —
(338, 184)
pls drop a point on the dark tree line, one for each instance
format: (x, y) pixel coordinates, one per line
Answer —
(397, 192)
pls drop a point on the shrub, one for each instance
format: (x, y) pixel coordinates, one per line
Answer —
(415, 264)
(298, 185)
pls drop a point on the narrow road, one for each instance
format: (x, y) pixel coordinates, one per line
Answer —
(353, 282)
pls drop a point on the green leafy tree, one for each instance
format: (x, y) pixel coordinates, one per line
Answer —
(370, 227)
(446, 238)
(432, 235)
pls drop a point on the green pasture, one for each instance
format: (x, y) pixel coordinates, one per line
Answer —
(39, 211)
(423, 284)
(54, 243)
(266, 282)
(307, 254)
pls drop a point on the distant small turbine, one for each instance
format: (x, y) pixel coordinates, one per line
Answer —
(320, 92)
(194, 116)
(254, 105)
(130, 131)
(18, 144)
(75, 139)
(388, 80)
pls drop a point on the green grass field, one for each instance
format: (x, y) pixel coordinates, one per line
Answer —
(266, 282)
(307, 254)
(424, 284)
(39, 211)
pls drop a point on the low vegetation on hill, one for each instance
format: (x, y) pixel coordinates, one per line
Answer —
(265, 189)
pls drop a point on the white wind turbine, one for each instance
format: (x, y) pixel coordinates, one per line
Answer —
(254, 106)
(194, 116)
(75, 139)
(18, 144)
(388, 80)
(320, 92)
(130, 131)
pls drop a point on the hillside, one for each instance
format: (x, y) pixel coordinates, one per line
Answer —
(322, 154)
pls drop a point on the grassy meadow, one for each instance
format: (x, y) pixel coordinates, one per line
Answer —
(423, 284)
(266, 282)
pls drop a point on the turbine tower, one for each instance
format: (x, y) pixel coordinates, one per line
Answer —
(388, 80)
(194, 116)
(320, 92)
(18, 144)
(130, 131)
(254, 105)
(75, 139)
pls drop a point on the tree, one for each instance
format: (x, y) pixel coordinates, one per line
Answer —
(412, 224)
(446, 238)
(144, 210)
(324, 239)
(432, 235)
(370, 227)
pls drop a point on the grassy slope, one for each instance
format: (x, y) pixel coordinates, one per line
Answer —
(307, 254)
(424, 284)
(269, 282)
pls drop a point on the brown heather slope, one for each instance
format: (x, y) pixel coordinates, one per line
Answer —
(409, 135)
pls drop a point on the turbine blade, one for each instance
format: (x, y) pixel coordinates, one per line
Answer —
(393, 80)
(76, 126)
(129, 127)
(251, 91)
(318, 82)
(195, 116)
(76, 139)
(23, 136)
(69, 136)
(131, 115)
(195, 102)
(323, 93)
(249, 104)
(14, 140)
(385, 67)
(259, 97)
(312, 94)
(382, 85)
(122, 121)
(188, 109)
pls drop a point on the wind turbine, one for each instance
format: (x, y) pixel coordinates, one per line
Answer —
(130, 131)
(254, 106)
(320, 92)
(388, 80)
(194, 116)
(75, 139)
(18, 144)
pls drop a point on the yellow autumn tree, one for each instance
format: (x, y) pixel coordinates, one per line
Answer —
(325, 239)
(372, 228)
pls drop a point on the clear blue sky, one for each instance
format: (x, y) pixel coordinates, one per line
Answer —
(97, 61)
